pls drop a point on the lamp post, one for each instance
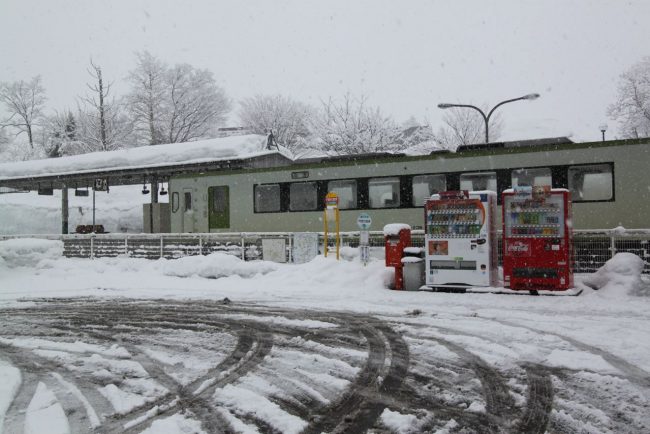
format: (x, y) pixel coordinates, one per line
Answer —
(486, 118)
(603, 128)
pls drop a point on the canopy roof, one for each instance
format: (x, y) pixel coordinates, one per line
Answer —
(136, 165)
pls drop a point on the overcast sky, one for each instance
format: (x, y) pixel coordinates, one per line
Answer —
(406, 56)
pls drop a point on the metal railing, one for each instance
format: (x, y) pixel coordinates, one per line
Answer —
(591, 248)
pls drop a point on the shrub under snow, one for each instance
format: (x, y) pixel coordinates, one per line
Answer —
(214, 266)
(620, 275)
(28, 252)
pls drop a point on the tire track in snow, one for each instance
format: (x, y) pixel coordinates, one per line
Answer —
(359, 408)
(633, 373)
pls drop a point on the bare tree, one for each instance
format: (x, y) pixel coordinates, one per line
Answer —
(352, 127)
(103, 126)
(4, 140)
(195, 105)
(288, 119)
(632, 106)
(24, 102)
(464, 126)
(147, 97)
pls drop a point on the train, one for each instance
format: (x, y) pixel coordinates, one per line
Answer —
(609, 182)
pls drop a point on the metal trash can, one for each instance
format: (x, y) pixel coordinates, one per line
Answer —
(413, 268)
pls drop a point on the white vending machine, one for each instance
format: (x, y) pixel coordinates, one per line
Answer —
(460, 239)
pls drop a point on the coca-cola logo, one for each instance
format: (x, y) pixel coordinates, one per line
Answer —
(518, 247)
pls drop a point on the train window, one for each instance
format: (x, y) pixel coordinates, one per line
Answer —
(478, 181)
(219, 198)
(188, 201)
(303, 196)
(267, 198)
(383, 192)
(593, 182)
(346, 189)
(532, 177)
(426, 185)
(175, 201)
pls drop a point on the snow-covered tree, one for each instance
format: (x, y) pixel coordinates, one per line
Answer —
(632, 106)
(173, 104)
(195, 105)
(24, 101)
(102, 122)
(464, 126)
(288, 119)
(60, 134)
(147, 97)
(350, 126)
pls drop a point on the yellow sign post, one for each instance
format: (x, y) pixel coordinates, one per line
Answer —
(331, 213)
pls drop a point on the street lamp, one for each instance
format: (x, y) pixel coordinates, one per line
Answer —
(603, 128)
(530, 96)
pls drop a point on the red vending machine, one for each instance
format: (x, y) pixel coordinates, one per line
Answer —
(537, 239)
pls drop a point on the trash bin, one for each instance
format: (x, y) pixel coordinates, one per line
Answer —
(413, 270)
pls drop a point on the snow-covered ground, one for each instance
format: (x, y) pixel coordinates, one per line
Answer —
(202, 343)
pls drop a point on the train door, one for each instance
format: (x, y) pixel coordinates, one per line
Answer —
(219, 207)
(188, 211)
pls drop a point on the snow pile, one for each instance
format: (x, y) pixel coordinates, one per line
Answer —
(398, 422)
(118, 211)
(621, 275)
(214, 266)
(28, 252)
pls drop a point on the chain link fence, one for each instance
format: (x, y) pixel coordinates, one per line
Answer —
(591, 248)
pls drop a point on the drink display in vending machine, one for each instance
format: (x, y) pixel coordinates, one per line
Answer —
(537, 239)
(460, 239)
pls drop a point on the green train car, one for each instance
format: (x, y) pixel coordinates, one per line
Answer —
(609, 184)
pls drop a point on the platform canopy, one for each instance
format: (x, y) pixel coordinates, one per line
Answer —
(143, 164)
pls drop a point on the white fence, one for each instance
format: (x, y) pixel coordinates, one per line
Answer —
(591, 248)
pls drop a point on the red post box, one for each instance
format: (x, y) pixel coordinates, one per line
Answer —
(397, 237)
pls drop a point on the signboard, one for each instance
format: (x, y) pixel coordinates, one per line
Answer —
(305, 247)
(101, 184)
(332, 200)
(523, 192)
(364, 221)
(274, 249)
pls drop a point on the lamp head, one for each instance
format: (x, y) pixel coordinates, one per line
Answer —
(603, 127)
(531, 96)
(445, 105)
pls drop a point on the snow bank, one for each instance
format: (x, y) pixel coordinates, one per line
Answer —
(118, 211)
(621, 275)
(28, 252)
(214, 266)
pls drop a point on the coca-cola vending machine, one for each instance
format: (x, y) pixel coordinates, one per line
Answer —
(537, 239)
(460, 239)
